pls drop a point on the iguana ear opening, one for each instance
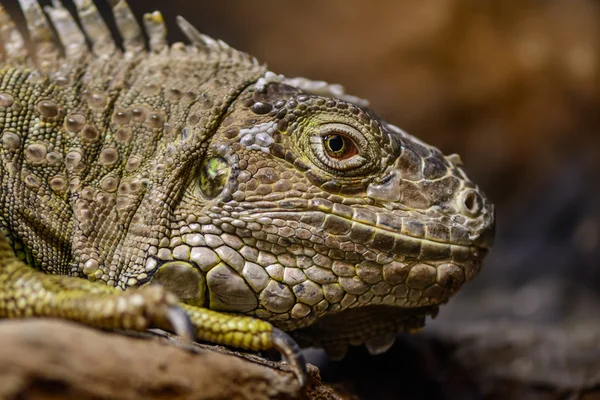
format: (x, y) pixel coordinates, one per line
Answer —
(214, 175)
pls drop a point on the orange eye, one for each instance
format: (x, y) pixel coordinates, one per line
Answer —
(339, 146)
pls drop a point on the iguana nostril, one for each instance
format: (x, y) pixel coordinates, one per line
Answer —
(472, 203)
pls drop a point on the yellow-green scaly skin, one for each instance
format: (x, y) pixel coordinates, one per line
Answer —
(194, 168)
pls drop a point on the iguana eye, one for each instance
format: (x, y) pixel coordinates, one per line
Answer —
(339, 146)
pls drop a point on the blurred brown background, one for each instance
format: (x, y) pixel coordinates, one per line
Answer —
(511, 85)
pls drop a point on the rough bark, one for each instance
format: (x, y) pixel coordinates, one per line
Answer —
(47, 359)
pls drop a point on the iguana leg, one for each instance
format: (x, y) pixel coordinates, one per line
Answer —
(25, 292)
(246, 333)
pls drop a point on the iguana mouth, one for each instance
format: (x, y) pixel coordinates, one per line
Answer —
(395, 231)
(403, 238)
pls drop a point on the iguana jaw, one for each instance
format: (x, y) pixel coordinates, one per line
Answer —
(225, 273)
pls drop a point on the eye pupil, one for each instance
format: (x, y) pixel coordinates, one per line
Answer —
(336, 143)
(339, 146)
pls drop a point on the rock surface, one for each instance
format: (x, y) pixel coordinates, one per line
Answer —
(46, 359)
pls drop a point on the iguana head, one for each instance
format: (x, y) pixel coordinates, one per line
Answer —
(315, 211)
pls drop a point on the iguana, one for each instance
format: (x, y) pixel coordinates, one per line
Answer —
(239, 203)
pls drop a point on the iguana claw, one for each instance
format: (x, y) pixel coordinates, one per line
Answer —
(292, 354)
(181, 323)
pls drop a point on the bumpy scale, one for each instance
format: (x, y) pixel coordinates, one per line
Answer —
(237, 203)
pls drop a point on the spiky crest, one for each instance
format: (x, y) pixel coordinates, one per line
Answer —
(74, 41)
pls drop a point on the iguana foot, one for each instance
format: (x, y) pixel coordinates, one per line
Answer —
(28, 293)
(246, 333)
